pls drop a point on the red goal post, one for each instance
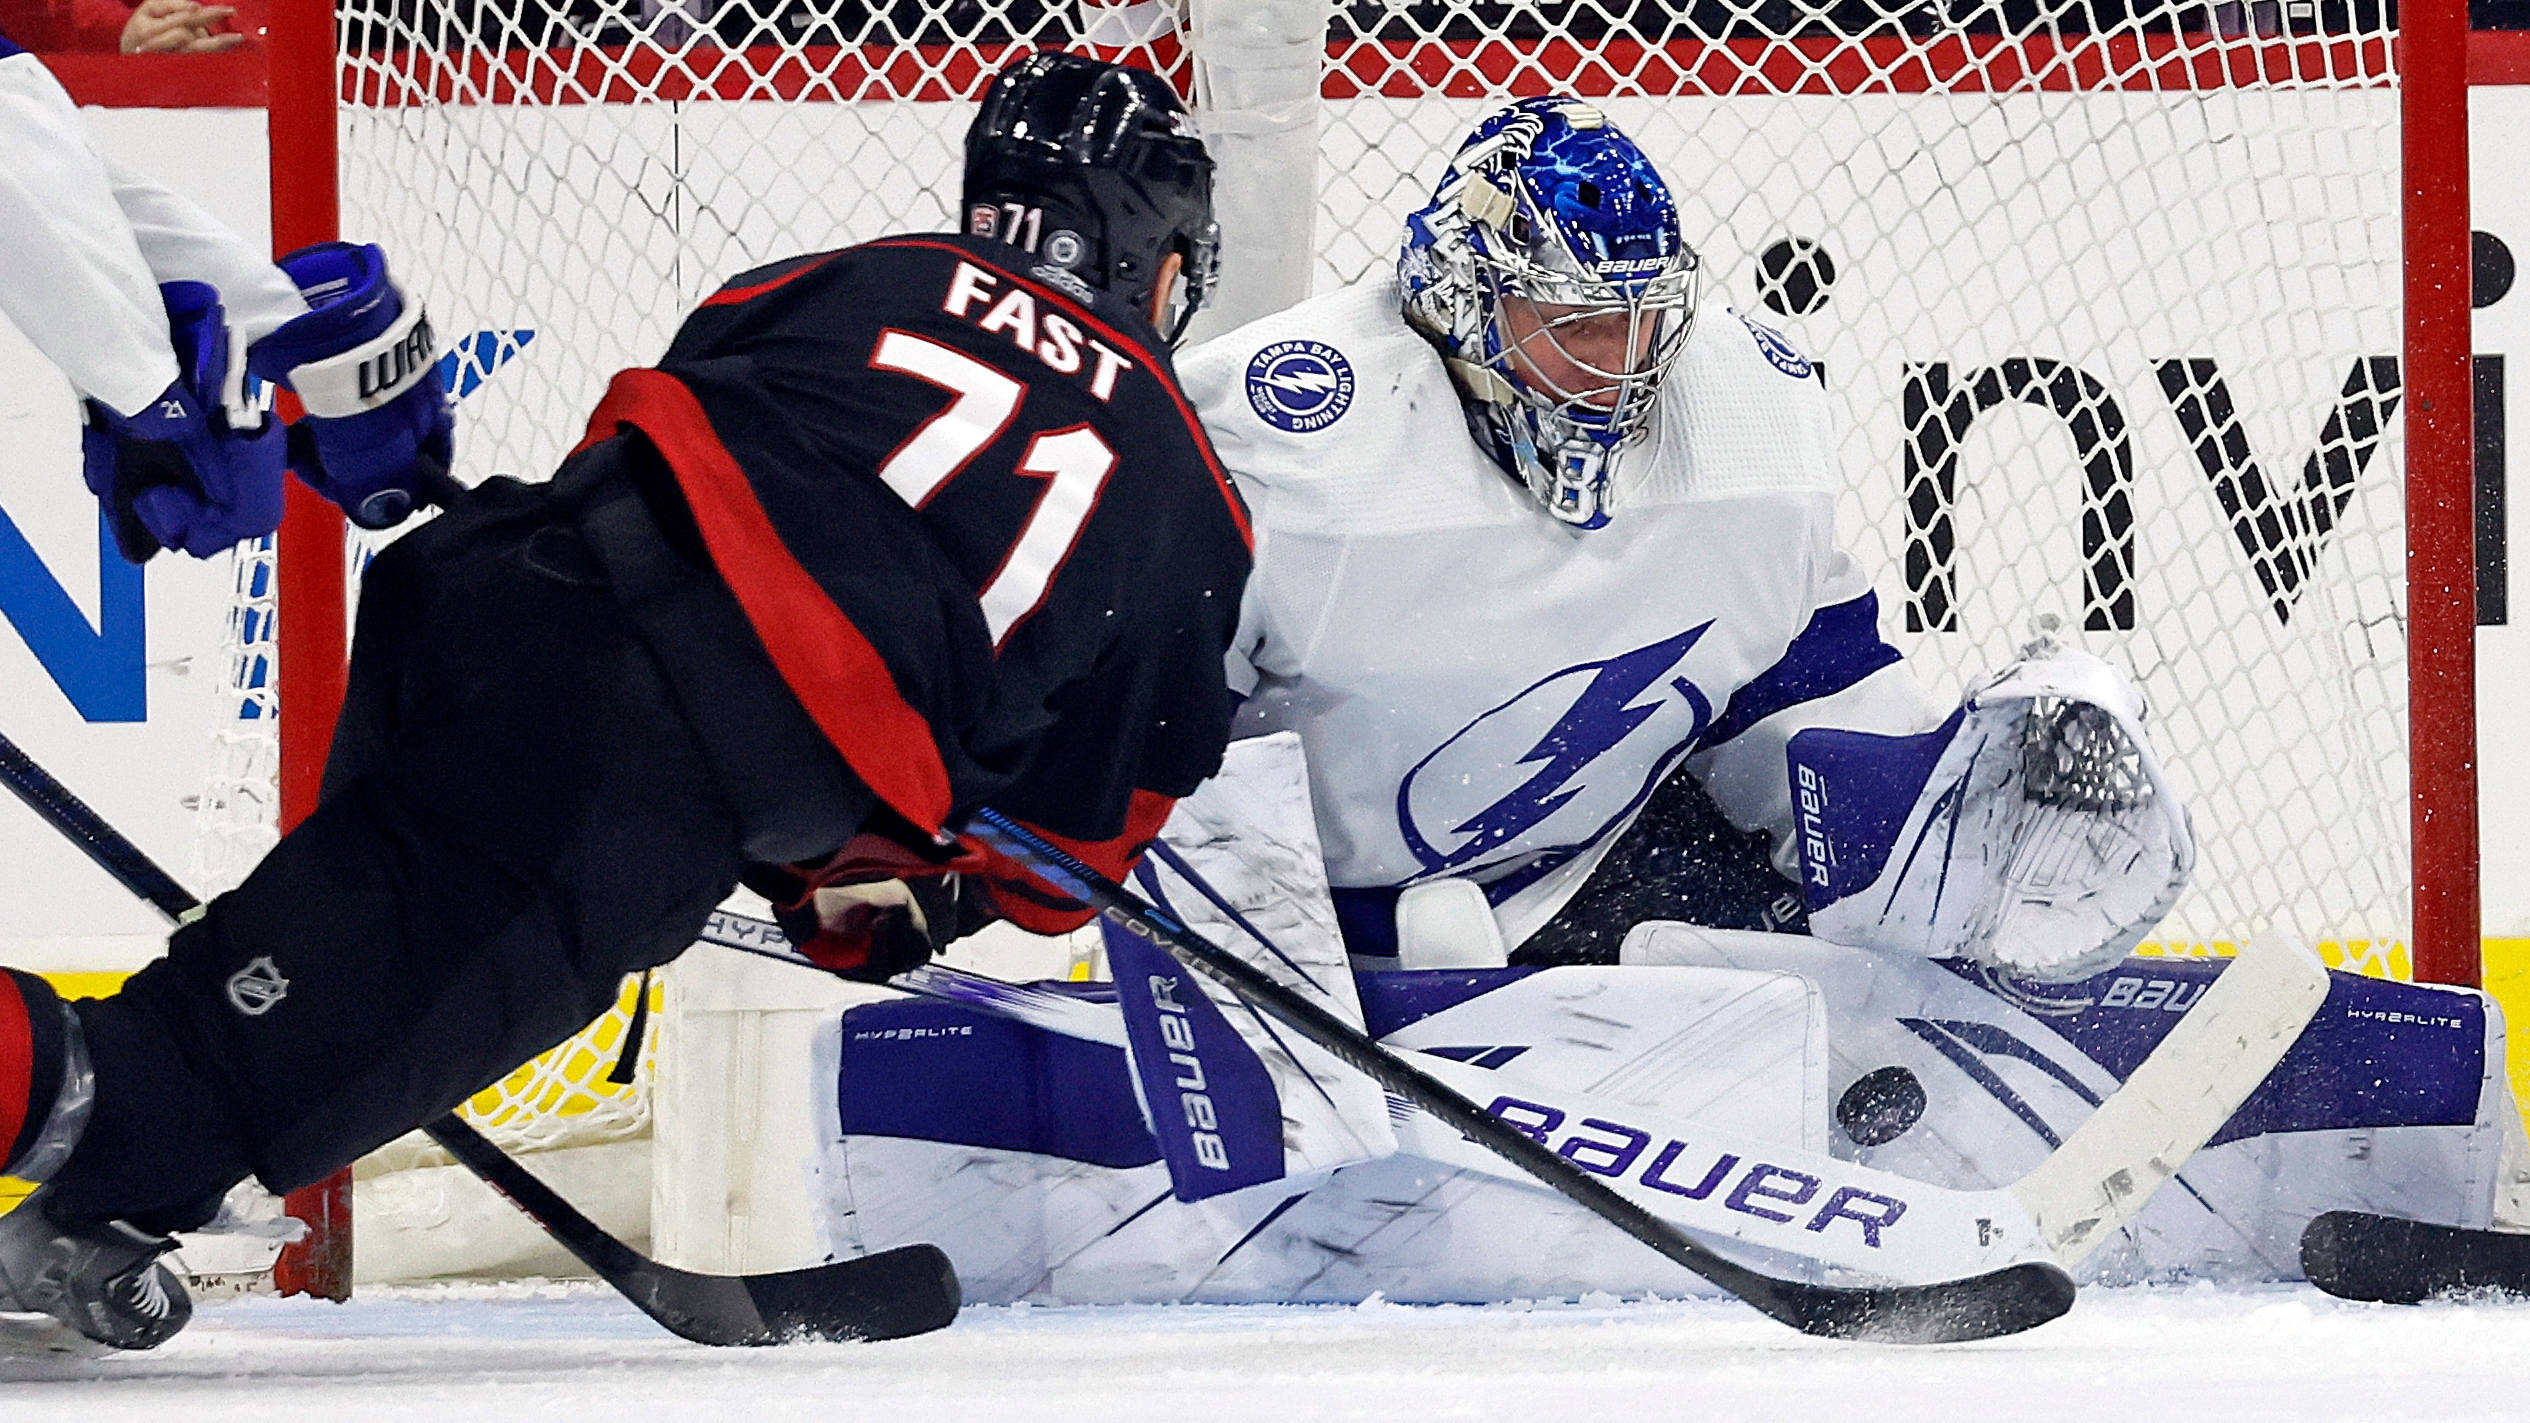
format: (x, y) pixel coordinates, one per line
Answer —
(2137, 312)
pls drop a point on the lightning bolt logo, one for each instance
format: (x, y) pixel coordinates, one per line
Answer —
(1300, 386)
(1608, 710)
(1302, 381)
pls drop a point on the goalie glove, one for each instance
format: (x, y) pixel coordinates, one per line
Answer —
(2032, 832)
(188, 472)
(378, 436)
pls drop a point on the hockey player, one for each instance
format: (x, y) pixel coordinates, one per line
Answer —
(156, 313)
(888, 532)
(1538, 529)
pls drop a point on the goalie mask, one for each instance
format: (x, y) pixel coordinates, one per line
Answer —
(1549, 271)
(1096, 169)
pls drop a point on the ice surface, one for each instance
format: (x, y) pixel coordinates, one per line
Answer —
(479, 1354)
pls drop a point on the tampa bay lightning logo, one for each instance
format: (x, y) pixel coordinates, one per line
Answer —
(1770, 343)
(1300, 386)
(1535, 776)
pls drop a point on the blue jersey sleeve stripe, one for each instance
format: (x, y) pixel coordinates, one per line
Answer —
(9, 50)
(1840, 647)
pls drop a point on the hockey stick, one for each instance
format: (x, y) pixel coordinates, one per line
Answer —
(2004, 1301)
(2387, 1260)
(909, 1290)
(1850, 1217)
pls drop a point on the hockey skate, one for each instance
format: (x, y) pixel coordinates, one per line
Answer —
(88, 1289)
(77, 1288)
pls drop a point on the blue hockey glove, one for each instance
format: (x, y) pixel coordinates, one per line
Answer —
(176, 475)
(378, 434)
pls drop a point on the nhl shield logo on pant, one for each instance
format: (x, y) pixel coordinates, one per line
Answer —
(254, 989)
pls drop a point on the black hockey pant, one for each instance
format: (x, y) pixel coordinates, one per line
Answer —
(516, 815)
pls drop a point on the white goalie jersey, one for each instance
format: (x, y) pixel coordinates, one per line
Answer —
(1488, 694)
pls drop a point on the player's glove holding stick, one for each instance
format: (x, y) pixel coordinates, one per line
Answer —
(199, 468)
(378, 436)
(873, 909)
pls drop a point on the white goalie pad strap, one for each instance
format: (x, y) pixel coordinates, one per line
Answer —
(1236, 1098)
(373, 373)
(2034, 831)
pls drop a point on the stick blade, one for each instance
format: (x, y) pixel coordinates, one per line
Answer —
(912, 1289)
(2385, 1260)
(2007, 1301)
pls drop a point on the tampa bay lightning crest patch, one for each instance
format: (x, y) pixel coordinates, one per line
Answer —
(1300, 386)
(1777, 350)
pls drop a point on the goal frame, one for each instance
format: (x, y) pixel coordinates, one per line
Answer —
(2439, 483)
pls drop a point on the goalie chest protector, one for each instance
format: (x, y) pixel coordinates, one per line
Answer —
(965, 507)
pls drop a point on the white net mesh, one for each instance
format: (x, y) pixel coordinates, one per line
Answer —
(2107, 293)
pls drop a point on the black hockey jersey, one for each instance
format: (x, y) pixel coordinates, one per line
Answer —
(972, 519)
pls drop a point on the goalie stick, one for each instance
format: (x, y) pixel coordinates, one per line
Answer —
(2064, 1209)
(2100, 1177)
(910, 1290)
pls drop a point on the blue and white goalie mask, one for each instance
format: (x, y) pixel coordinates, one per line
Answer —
(1549, 271)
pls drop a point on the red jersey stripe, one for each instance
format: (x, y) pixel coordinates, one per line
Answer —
(735, 296)
(839, 678)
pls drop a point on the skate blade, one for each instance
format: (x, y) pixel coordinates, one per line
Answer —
(40, 1336)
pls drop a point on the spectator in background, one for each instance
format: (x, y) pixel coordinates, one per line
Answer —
(108, 26)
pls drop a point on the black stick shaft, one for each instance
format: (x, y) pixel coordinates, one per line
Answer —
(88, 830)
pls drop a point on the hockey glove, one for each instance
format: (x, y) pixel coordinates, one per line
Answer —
(177, 475)
(378, 436)
(873, 909)
(2032, 832)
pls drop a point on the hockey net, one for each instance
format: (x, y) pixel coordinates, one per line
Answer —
(2106, 293)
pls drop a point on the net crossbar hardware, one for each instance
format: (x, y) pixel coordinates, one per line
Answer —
(910, 1290)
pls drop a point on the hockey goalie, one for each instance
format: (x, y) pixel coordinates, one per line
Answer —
(1785, 1096)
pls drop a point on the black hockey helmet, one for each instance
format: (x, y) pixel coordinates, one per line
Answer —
(1096, 169)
